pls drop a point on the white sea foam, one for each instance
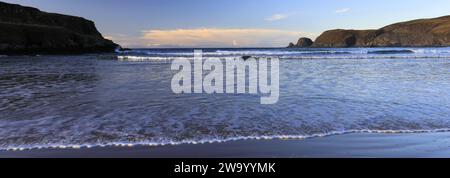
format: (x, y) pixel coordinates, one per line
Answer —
(163, 59)
(211, 141)
(143, 58)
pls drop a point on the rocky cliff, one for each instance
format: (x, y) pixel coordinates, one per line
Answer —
(27, 30)
(417, 33)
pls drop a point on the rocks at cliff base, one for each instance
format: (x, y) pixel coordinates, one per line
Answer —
(302, 43)
(26, 30)
(417, 33)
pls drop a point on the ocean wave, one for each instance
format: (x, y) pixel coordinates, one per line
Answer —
(332, 53)
(207, 52)
(432, 50)
(147, 58)
(368, 57)
(166, 59)
(169, 59)
(278, 53)
(210, 141)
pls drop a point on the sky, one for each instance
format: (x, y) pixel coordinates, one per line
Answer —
(234, 23)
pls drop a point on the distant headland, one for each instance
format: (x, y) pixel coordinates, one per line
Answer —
(417, 33)
(27, 30)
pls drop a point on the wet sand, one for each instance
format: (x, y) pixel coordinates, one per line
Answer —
(415, 145)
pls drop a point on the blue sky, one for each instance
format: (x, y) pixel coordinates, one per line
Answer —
(234, 23)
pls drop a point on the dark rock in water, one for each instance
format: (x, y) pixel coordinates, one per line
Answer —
(302, 43)
(417, 33)
(246, 57)
(291, 45)
(391, 52)
(125, 49)
(27, 30)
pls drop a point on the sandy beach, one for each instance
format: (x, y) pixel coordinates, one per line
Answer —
(415, 145)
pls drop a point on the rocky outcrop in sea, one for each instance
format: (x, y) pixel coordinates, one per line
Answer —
(302, 43)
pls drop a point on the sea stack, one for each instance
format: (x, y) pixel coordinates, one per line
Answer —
(302, 43)
(417, 33)
(27, 30)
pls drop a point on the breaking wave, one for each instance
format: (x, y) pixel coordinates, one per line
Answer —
(332, 53)
(169, 59)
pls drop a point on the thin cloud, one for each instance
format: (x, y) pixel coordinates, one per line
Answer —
(276, 17)
(127, 40)
(219, 37)
(281, 16)
(344, 10)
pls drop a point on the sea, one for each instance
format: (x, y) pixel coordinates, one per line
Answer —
(125, 98)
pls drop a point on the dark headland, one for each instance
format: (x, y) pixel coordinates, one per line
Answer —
(27, 30)
(416, 33)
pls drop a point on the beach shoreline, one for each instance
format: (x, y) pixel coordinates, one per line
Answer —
(356, 145)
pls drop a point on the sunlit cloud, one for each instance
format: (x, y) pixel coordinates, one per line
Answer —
(343, 10)
(219, 37)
